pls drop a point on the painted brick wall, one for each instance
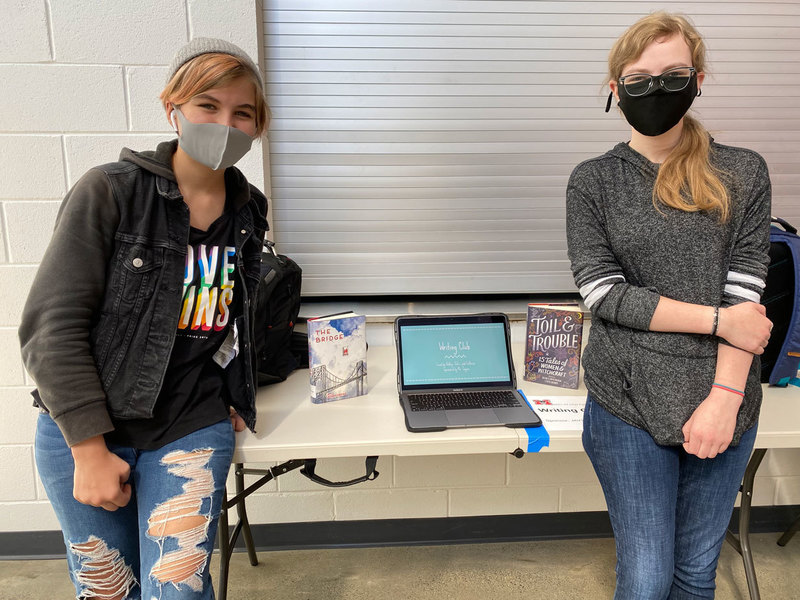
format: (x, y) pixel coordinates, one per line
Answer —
(81, 80)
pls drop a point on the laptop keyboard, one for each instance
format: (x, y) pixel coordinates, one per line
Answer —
(460, 400)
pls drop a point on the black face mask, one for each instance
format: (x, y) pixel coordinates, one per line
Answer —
(657, 111)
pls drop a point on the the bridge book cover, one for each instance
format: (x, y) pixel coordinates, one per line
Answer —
(337, 357)
(553, 345)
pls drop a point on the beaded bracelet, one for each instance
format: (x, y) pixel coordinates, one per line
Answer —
(726, 388)
(716, 321)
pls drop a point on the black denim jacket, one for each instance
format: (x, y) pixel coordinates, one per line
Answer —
(102, 314)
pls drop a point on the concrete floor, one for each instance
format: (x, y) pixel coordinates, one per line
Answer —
(552, 570)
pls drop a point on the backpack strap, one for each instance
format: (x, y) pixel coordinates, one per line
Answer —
(269, 246)
(785, 224)
(311, 464)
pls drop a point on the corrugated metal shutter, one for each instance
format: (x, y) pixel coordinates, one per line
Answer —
(423, 146)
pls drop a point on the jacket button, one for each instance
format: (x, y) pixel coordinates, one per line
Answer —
(243, 231)
(137, 262)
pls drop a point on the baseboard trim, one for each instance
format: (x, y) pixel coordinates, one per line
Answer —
(408, 532)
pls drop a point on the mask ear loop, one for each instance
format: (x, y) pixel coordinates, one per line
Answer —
(608, 104)
(699, 92)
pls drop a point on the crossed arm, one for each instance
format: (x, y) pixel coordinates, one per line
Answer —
(745, 326)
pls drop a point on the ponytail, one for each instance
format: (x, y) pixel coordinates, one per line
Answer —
(687, 180)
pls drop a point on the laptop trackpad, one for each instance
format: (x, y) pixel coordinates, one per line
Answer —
(475, 416)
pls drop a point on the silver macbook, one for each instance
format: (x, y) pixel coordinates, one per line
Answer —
(457, 371)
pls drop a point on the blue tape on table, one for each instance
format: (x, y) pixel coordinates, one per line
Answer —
(538, 437)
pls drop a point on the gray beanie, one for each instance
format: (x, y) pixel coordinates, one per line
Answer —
(204, 45)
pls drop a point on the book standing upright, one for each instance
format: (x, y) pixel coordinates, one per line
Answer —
(337, 357)
(553, 345)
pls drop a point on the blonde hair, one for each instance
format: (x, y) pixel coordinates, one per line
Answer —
(208, 71)
(686, 179)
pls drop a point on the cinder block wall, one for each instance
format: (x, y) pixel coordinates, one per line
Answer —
(81, 80)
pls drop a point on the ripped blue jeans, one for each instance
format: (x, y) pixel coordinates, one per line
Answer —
(158, 546)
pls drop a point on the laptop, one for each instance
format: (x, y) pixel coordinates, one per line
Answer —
(457, 371)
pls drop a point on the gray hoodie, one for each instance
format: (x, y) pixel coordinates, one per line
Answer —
(626, 253)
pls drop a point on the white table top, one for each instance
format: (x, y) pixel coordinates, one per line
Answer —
(290, 426)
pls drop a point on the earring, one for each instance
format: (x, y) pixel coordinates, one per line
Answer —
(608, 104)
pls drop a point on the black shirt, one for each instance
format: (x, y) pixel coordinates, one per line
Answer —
(193, 394)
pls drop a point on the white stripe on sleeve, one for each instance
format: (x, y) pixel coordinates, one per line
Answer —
(597, 294)
(744, 278)
(587, 288)
(594, 291)
(739, 291)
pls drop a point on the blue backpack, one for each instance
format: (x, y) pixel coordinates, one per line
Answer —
(781, 297)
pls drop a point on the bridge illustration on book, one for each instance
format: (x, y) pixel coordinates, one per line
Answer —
(323, 382)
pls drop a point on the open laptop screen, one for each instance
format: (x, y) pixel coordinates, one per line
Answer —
(448, 352)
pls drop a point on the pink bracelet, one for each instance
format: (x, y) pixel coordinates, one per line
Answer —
(727, 389)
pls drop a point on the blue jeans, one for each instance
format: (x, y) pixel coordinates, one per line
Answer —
(158, 545)
(669, 509)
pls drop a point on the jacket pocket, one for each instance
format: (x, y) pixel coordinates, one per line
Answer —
(132, 284)
(671, 374)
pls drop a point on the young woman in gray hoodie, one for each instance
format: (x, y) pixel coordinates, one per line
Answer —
(668, 237)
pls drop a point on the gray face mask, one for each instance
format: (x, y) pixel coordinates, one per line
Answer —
(214, 145)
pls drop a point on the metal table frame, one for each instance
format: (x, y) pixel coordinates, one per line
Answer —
(742, 543)
(227, 538)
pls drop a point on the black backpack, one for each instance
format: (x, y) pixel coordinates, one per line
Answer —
(781, 298)
(279, 349)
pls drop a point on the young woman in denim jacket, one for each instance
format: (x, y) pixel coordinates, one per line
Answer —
(668, 237)
(137, 331)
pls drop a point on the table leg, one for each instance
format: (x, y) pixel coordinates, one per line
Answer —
(241, 511)
(744, 522)
(789, 533)
(227, 539)
(224, 549)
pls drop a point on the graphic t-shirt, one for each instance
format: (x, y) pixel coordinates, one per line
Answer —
(193, 394)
